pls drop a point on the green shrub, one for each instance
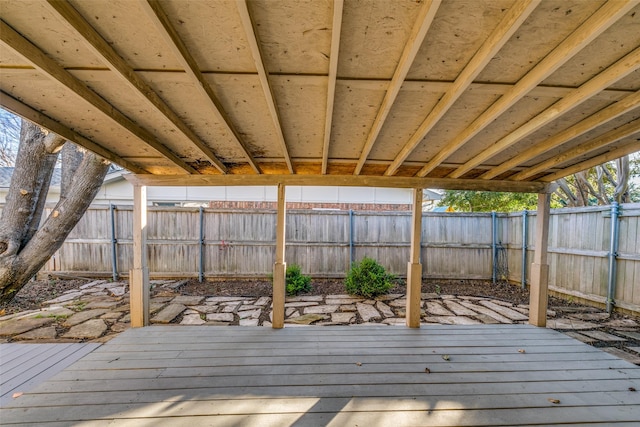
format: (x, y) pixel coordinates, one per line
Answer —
(368, 278)
(296, 281)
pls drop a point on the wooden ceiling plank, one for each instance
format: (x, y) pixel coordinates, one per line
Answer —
(23, 110)
(340, 181)
(584, 148)
(600, 118)
(416, 38)
(103, 50)
(615, 72)
(51, 69)
(600, 21)
(331, 83)
(163, 24)
(595, 161)
(263, 74)
(510, 23)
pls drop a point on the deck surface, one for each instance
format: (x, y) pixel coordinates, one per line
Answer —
(339, 376)
(23, 366)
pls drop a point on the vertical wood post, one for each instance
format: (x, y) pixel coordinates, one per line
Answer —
(540, 267)
(280, 267)
(414, 267)
(139, 275)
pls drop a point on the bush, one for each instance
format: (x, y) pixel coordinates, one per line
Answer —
(296, 281)
(368, 278)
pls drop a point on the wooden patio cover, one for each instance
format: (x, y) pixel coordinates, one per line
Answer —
(504, 95)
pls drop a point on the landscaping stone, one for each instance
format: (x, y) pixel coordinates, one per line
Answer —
(224, 299)
(160, 300)
(338, 301)
(102, 304)
(120, 326)
(437, 309)
(251, 314)
(622, 323)
(154, 307)
(631, 335)
(262, 301)
(571, 324)
(487, 320)
(53, 311)
(117, 291)
(577, 335)
(230, 308)
(451, 320)
(343, 317)
(384, 309)
(300, 304)
(93, 284)
(111, 315)
(249, 322)
(306, 319)
(395, 321)
(603, 336)
(220, 317)
(64, 298)
(46, 333)
(90, 329)
(308, 298)
(192, 319)
(289, 311)
(83, 316)
(19, 326)
(459, 309)
(167, 314)
(486, 311)
(590, 316)
(388, 297)
(321, 309)
(249, 307)
(205, 308)
(187, 300)
(622, 354)
(367, 312)
(504, 311)
(350, 307)
(429, 295)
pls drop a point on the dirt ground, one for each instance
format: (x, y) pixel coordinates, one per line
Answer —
(35, 292)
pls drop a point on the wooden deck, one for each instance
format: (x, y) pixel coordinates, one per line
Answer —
(23, 366)
(339, 376)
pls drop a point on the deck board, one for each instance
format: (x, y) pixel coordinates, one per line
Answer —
(375, 376)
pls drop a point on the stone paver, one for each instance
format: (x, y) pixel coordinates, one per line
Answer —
(486, 311)
(571, 324)
(343, 317)
(622, 354)
(338, 301)
(451, 320)
(300, 304)
(384, 309)
(459, 309)
(504, 311)
(577, 335)
(205, 308)
(46, 333)
(309, 298)
(306, 319)
(262, 301)
(90, 329)
(251, 314)
(367, 312)
(220, 317)
(192, 319)
(19, 326)
(249, 322)
(437, 309)
(167, 314)
(602, 336)
(321, 309)
(187, 300)
(630, 335)
(64, 298)
(83, 316)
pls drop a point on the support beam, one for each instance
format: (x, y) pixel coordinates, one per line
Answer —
(23, 110)
(614, 154)
(540, 266)
(581, 149)
(611, 75)
(280, 266)
(414, 267)
(139, 274)
(51, 69)
(331, 81)
(512, 20)
(606, 16)
(263, 74)
(163, 24)
(339, 181)
(418, 33)
(600, 118)
(106, 53)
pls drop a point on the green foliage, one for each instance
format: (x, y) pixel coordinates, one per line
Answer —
(487, 201)
(296, 281)
(368, 278)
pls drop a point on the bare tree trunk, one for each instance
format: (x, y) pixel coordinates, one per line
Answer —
(621, 192)
(24, 248)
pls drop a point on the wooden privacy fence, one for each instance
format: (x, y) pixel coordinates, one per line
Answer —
(190, 242)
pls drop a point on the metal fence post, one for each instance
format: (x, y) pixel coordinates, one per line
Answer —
(201, 243)
(494, 246)
(613, 253)
(351, 248)
(114, 244)
(524, 248)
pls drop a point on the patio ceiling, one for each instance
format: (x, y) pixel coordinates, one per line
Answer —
(496, 94)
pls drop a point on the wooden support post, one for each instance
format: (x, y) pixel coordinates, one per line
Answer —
(139, 275)
(540, 267)
(280, 267)
(414, 267)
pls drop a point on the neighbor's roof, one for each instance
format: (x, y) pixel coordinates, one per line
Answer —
(493, 91)
(6, 173)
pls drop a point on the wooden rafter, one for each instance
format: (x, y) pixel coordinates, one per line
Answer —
(500, 35)
(595, 161)
(331, 79)
(602, 19)
(51, 69)
(263, 74)
(584, 148)
(617, 71)
(339, 181)
(601, 117)
(163, 24)
(17, 107)
(103, 50)
(418, 33)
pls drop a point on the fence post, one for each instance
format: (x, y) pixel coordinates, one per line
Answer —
(524, 248)
(494, 246)
(201, 243)
(351, 249)
(114, 243)
(613, 253)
